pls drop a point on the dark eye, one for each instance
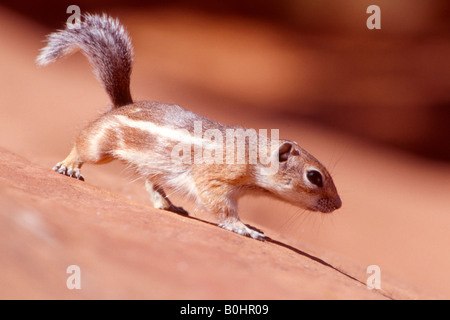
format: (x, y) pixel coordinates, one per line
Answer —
(315, 177)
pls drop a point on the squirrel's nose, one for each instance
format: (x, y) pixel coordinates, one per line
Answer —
(337, 202)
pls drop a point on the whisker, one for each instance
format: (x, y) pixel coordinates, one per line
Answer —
(296, 221)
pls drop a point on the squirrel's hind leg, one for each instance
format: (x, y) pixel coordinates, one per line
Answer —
(70, 166)
(94, 145)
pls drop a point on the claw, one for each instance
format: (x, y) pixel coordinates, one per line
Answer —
(62, 169)
(56, 167)
(78, 175)
(68, 171)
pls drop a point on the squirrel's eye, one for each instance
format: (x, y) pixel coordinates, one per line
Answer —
(315, 177)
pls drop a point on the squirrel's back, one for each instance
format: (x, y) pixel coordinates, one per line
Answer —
(106, 44)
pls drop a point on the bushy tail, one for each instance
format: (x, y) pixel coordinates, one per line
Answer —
(106, 44)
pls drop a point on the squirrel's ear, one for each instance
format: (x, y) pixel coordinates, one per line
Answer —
(284, 151)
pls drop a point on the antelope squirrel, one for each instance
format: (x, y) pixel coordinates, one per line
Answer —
(145, 134)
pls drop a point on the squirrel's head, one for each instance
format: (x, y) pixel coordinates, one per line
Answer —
(301, 179)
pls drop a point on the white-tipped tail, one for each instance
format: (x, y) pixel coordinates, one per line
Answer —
(106, 44)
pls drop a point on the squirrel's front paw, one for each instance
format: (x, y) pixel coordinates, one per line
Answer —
(68, 170)
(238, 227)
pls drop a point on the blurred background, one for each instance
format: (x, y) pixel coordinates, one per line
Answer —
(372, 105)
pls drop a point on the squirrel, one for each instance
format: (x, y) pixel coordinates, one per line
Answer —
(145, 134)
